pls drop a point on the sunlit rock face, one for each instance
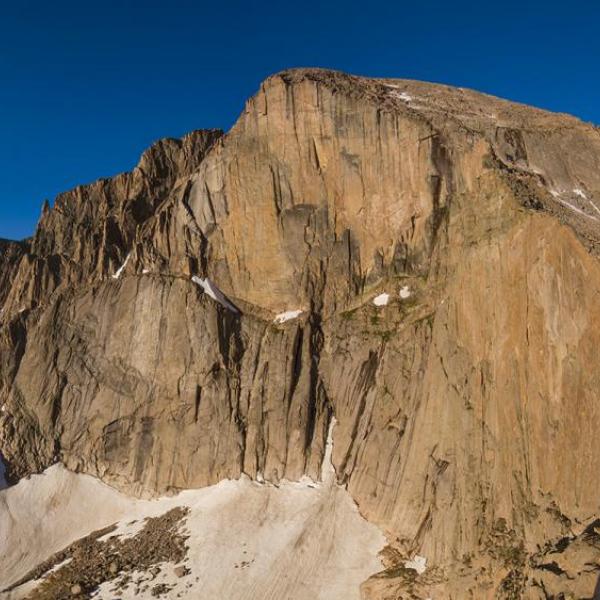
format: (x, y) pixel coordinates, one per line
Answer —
(416, 260)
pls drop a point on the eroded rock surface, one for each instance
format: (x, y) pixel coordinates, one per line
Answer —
(467, 402)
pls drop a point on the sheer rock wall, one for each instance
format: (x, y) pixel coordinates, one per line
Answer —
(466, 406)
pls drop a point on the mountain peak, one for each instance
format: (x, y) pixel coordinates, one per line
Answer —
(415, 263)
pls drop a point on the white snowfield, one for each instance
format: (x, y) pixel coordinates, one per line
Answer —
(214, 292)
(381, 300)
(122, 267)
(248, 541)
(287, 316)
(418, 564)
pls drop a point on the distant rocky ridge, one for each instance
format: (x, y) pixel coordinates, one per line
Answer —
(207, 314)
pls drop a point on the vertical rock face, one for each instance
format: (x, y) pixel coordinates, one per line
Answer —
(90, 230)
(207, 314)
(11, 254)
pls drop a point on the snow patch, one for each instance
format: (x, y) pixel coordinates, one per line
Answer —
(579, 192)
(214, 292)
(145, 271)
(418, 563)
(245, 540)
(381, 300)
(126, 529)
(405, 292)
(577, 210)
(287, 316)
(60, 565)
(403, 96)
(595, 207)
(120, 270)
(327, 468)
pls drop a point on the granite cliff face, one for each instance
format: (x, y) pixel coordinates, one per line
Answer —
(418, 261)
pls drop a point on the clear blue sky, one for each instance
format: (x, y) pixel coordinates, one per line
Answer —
(86, 86)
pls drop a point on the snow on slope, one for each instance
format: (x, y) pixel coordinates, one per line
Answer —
(214, 292)
(120, 270)
(381, 300)
(247, 540)
(288, 315)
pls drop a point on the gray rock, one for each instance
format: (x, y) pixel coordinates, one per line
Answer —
(181, 571)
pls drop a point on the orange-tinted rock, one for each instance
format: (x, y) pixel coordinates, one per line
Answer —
(466, 396)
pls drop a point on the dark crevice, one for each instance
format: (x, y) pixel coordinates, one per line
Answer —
(317, 396)
(296, 361)
(440, 158)
(366, 379)
(195, 228)
(552, 567)
(197, 403)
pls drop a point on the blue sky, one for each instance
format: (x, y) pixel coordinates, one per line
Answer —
(86, 86)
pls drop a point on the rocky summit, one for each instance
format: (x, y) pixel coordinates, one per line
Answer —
(409, 267)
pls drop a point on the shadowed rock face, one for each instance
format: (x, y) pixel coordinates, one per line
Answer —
(466, 404)
(11, 254)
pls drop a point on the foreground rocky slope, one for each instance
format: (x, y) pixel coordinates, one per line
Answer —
(419, 261)
(68, 535)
